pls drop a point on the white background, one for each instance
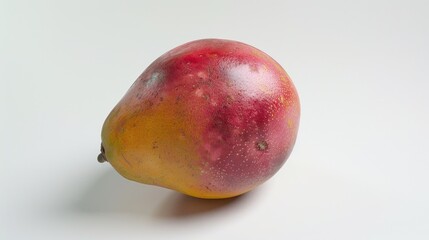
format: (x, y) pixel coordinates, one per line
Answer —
(360, 166)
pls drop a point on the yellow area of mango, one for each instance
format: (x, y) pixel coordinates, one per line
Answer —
(157, 146)
(153, 146)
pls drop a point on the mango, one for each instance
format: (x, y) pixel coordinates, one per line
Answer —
(211, 118)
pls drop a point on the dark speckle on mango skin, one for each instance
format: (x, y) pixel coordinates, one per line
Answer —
(262, 145)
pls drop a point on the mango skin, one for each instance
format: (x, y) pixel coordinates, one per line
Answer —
(211, 118)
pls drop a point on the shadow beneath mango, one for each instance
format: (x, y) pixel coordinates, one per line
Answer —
(180, 206)
(112, 194)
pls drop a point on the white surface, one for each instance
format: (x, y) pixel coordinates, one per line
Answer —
(360, 166)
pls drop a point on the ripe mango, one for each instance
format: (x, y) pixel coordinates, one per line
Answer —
(211, 118)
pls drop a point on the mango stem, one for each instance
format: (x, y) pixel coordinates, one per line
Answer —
(101, 157)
